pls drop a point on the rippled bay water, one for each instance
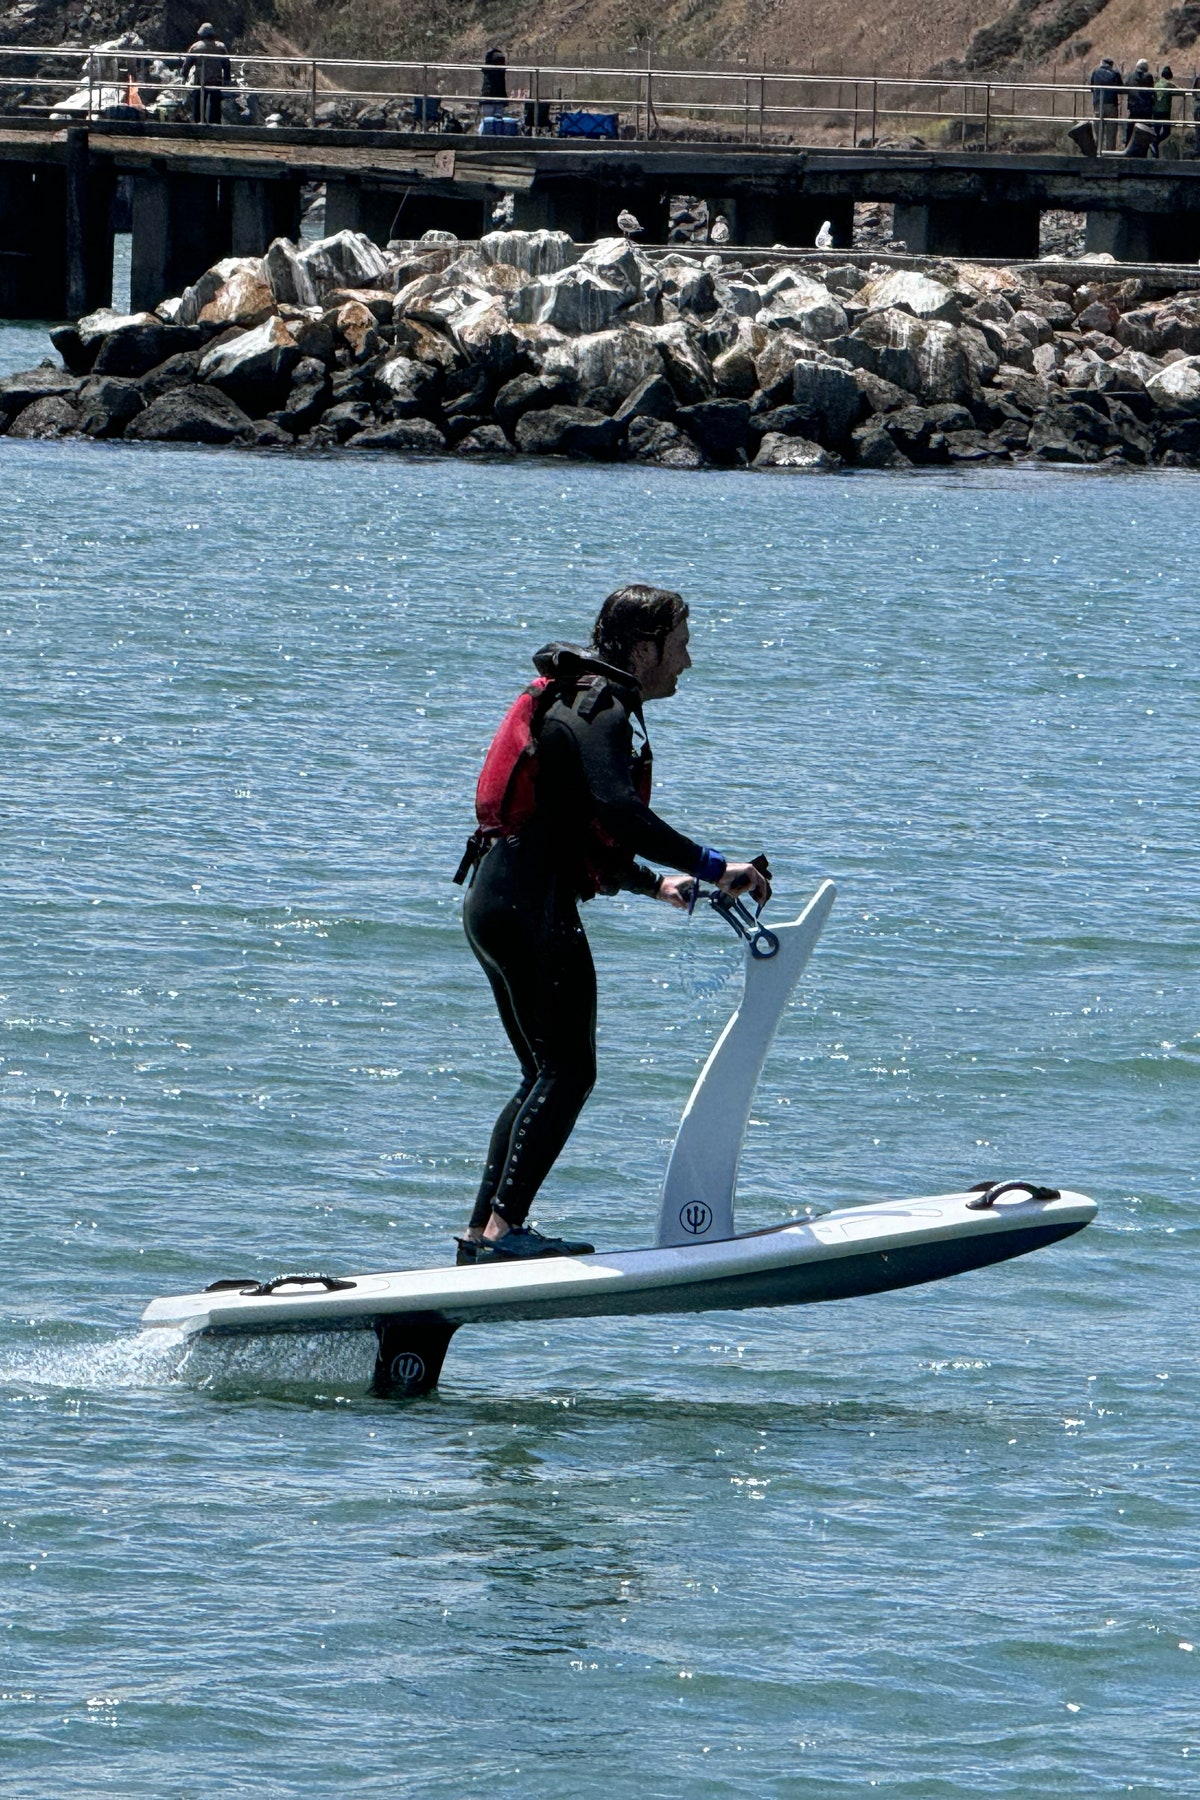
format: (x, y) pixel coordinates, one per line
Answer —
(936, 1543)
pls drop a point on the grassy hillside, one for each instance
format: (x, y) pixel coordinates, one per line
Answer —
(884, 36)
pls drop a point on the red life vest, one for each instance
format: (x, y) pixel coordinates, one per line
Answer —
(506, 792)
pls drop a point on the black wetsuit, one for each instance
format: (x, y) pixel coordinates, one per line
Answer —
(522, 920)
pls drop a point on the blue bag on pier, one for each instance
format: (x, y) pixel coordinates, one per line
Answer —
(588, 124)
(500, 127)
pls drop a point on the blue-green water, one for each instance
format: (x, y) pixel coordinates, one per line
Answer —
(935, 1543)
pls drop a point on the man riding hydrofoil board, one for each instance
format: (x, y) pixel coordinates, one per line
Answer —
(564, 814)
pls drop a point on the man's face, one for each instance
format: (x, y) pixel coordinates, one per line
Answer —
(657, 671)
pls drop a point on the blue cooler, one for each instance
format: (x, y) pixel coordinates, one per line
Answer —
(499, 127)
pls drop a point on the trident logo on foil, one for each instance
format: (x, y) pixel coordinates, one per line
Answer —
(696, 1217)
(407, 1369)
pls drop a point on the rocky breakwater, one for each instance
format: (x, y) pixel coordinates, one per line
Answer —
(524, 343)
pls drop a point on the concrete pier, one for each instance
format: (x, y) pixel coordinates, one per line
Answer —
(203, 192)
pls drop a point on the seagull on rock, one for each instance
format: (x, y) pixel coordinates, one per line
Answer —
(825, 237)
(627, 225)
(720, 230)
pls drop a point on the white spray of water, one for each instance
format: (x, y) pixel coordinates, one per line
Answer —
(164, 1357)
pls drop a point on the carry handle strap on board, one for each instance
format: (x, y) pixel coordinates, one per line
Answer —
(989, 1192)
(332, 1284)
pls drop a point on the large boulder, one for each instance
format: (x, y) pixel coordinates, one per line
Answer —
(416, 437)
(485, 440)
(655, 441)
(44, 383)
(623, 266)
(1176, 389)
(718, 426)
(568, 431)
(305, 277)
(830, 399)
(775, 366)
(684, 363)
(577, 300)
(255, 369)
(741, 298)
(533, 393)
(195, 298)
(1177, 326)
(52, 416)
(200, 415)
(928, 359)
(349, 259)
(409, 387)
(485, 334)
(913, 293)
(797, 303)
(245, 299)
(734, 373)
(534, 252)
(177, 371)
(653, 398)
(606, 363)
(79, 344)
(136, 348)
(354, 324)
(107, 404)
(779, 452)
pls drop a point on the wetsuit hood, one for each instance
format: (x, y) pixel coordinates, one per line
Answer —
(567, 662)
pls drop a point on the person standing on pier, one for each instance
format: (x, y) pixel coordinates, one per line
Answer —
(1105, 81)
(206, 69)
(1164, 102)
(493, 88)
(1139, 97)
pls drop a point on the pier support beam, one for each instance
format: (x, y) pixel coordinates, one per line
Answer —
(1144, 236)
(89, 194)
(261, 211)
(969, 228)
(33, 240)
(181, 226)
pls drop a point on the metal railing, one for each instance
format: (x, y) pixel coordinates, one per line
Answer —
(732, 106)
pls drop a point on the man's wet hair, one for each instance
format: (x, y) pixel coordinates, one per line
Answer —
(636, 614)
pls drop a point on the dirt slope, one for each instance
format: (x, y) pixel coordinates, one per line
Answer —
(1032, 37)
(872, 36)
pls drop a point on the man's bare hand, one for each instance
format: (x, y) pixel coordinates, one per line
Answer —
(746, 878)
(676, 890)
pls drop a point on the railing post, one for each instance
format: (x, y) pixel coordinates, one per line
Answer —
(762, 106)
(987, 115)
(537, 94)
(312, 103)
(874, 112)
(854, 138)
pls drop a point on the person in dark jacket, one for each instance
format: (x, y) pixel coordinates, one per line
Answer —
(206, 70)
(1105, 83)
(493, 88)
(1139, 96)
(589, 826)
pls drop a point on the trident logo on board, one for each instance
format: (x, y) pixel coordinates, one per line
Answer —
(695, 1217)
(407, 1369)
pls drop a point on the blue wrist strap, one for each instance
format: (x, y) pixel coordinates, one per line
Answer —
(712, 865)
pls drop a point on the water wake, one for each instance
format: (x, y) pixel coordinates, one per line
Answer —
(281, 1364)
